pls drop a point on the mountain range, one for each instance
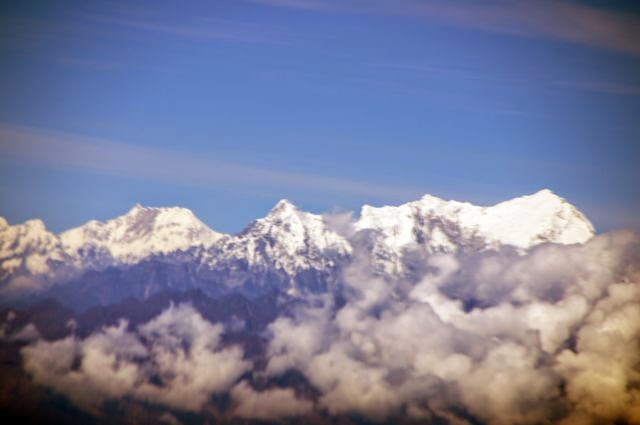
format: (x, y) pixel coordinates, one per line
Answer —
(148, 250)
(432, 311)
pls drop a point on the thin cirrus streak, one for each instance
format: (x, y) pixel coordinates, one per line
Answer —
(202, 29)
(601, 87)
(63, 150)
(565, 21)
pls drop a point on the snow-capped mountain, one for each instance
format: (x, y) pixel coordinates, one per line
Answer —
(286, 242)
(432, 225)
(29, 249)
(140, 233)
(153, 249)
(287, 239)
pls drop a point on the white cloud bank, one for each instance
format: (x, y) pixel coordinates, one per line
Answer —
(270, 404)
(175, 359)
(549, 337)
(557, 338)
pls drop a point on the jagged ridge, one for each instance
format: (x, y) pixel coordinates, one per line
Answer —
(288, 244)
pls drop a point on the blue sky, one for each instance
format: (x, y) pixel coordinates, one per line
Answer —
(227, 106)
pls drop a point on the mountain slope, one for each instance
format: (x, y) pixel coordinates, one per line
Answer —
(140, 233)
(287, 238)
(434, 225)
(286, 242)
(154, 249)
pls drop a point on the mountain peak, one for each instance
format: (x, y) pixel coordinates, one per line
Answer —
(284, 210)
(543, 195)
(176, 216)
(35, 224)
(141, 232)
(287, 239)
(283, 206)
(543, 217)
(440, 225)
(138, 208)
(431, 202)
(429, 197)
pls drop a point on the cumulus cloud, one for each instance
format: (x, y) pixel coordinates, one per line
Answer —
(175, 359)
(269, 404)
(550, 336)
(603, 373)
(294, 341)
(497, 338)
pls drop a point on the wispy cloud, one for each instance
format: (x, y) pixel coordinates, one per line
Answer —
(299, 4)
(111, 32)
(63, 150)
(605, 87)
(190, 24)
(468, 74)
(106, 24)
(199, 29)
(565, 21)
(544, 19)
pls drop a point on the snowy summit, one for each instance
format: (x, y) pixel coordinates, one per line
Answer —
(289, 244)
(138, 234)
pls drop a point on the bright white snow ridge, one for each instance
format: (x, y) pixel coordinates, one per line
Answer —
(290, 240)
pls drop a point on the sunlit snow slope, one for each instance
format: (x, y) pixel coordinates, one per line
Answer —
(289, 245)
